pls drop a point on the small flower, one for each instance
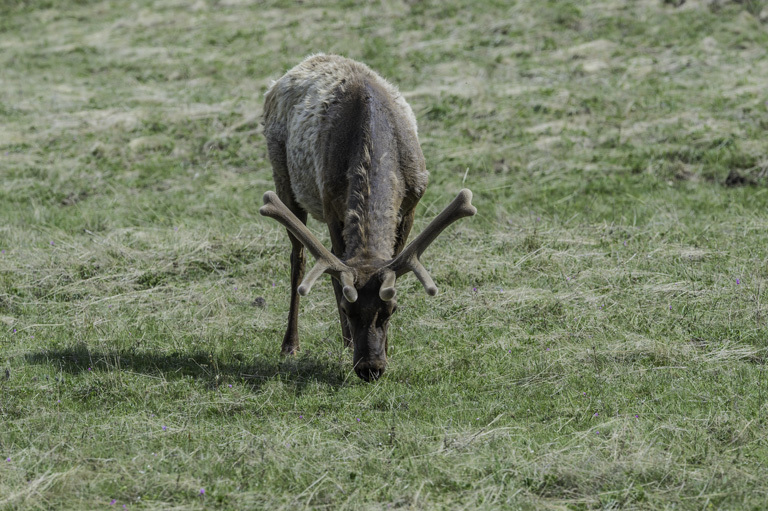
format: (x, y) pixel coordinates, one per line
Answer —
(597, 432)
(113, 502)
(202, 491)
(8, 459)
(358, 420)
(474, 289)
(301, 416)
(637, 416)
(164, 428)
(738, 281)
(52, 243)
(90, 369)
(596, 414)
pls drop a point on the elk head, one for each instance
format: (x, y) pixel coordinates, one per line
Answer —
(369, 292)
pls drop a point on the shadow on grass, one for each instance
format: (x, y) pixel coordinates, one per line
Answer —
(300, 371)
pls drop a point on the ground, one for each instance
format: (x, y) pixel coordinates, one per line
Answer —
(599, 340)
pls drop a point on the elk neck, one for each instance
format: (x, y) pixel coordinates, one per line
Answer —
(375, 185)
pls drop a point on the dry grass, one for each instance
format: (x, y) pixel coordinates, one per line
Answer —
(599, 339)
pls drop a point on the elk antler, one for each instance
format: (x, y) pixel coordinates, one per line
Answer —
(408, 259)
(326, 262)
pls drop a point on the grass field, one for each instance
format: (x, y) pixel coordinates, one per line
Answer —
(599, 340)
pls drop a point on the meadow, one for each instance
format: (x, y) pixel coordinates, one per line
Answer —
(599, 340)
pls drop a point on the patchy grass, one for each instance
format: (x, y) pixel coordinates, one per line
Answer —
(600, 337)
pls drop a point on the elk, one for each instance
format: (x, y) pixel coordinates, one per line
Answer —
(344, 148)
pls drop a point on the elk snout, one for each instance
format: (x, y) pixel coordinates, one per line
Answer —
(370, 370)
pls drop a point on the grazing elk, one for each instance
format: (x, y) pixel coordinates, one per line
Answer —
(343, 147)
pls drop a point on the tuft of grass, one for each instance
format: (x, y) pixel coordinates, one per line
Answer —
(600, 336)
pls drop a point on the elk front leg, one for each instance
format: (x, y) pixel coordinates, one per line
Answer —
(298, 259)
(337, 241)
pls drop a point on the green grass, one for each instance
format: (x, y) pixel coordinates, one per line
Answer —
(599, 340)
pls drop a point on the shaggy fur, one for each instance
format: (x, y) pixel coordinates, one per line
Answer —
(344, 148)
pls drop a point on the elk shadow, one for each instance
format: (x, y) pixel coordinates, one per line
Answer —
(301, 371)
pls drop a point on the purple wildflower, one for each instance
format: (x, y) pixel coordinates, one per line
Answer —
(202, 491)
(738, 281)
(164, 428)
(113, 502)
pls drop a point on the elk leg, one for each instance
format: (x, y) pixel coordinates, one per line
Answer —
(291, 339)
(337, 241)
(279, 160)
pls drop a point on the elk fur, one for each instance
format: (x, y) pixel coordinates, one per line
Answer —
(299, 116)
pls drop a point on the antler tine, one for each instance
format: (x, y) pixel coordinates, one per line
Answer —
(408, 259)
(326, 262)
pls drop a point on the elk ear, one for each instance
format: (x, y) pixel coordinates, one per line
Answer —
(387, 290)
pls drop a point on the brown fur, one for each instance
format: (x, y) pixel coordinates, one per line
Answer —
(351, 150)
(344, 149)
